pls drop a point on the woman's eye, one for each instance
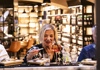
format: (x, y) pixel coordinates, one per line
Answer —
(51, 35)
(48, 35)
(45, 35)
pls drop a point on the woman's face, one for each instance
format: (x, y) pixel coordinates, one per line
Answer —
(48, 38)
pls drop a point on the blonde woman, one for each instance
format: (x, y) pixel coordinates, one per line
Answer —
(48, 43)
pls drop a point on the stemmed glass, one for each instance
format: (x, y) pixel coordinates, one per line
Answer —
(56, 50)
(47, 58)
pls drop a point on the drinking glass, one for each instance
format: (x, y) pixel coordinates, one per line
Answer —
(56, 50)
(74, 59)
(47, 59)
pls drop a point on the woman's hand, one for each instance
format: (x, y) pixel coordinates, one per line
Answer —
(32, 53)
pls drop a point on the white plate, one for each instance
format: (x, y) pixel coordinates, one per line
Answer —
(92, 62)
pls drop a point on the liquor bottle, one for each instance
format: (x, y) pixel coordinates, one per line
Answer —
(66, 56)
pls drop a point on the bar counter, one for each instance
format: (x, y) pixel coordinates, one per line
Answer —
(82, 67)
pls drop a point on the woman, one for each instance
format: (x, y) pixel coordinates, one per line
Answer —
(48, 42)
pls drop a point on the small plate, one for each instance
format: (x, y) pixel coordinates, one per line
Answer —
(89, 62)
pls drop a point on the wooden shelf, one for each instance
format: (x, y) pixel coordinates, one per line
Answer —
(27, 21)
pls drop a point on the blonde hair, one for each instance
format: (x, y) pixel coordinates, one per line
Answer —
(47, 27)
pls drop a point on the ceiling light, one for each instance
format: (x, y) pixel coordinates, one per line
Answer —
(24, 11)
(36, 6)
(33, 9)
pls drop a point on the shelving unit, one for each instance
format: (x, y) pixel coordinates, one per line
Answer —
(75, 27)
(78, 29)
(6, 21)
(80, 25)
(28, 21)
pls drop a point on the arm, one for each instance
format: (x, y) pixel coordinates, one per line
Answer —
(3, 53)
(83, 55)
(31, 54)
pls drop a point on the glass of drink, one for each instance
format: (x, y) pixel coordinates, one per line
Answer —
(56, 50)
(47, 59)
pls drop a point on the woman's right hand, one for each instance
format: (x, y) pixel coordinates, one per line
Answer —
(32, 53)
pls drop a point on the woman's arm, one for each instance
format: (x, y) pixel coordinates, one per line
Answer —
(31, 53)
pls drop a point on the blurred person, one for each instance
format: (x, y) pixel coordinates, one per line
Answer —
(48, 42)
(89, 50)
(3, 54)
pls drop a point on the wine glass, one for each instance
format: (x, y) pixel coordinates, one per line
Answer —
(56, 50)
(47, 59)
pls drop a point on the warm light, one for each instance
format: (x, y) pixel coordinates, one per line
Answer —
(23, 25)
(67, 28)
(36, 6)
(23, 15)
(43, 4)
(75, 6)
(73, 29)
(79, 42)
(89, 31)
(65, 39)
(73, 36)
(74, 40)
(51, 8)
(89, 9)
(32, 24)
(15, 8)
(33, 14)
(80, 38)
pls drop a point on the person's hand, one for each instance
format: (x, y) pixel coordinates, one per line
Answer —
(33, 52)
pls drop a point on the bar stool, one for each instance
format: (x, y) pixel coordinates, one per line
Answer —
(14, 48)
(30, 43)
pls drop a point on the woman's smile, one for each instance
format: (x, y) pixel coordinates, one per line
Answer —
(48, 37)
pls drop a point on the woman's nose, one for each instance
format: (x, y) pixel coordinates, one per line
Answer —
(48, 38)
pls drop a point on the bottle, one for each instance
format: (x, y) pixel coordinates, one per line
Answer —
(66, 57)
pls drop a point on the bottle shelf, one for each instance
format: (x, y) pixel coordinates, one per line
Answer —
(80, 26)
